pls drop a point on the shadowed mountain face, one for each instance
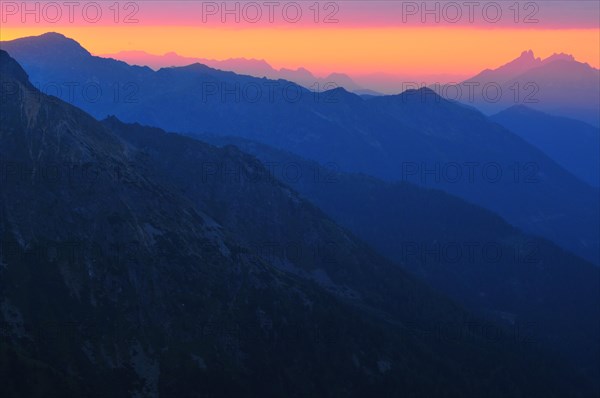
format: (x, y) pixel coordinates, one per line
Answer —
(573, 144)
(416, 136)
(558, 85)
(465, 251)
(133, 270)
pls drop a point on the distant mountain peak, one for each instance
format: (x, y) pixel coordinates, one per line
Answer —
(338, 75)
(525, 61)
(297, 70)
(195, 67)
(422, 95)
(53, 43)
(253, 60)
(559, 57)
(527, 54)
(54, 35)
(60, 39)
(528, 59)
(518, 109)
(340, 92)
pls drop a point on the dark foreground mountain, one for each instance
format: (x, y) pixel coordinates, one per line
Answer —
(416, 136)
(523, 282)
(121, 278)
(573, 144)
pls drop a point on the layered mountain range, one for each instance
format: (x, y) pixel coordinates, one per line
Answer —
(139, 267)
(558, 84)
(415, 136)
(252, 67)
(521, 282)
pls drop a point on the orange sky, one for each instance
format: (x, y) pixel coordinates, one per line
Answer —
(351, 50)
(367, 36)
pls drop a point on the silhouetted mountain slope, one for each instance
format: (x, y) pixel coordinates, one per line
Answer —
(415, 136)
(573, 144)
(123, 274)
(490, 166)
(471, 254)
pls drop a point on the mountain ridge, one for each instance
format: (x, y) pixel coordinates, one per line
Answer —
(187, 308)
(245, 66)
(390, 137)
(444, 240)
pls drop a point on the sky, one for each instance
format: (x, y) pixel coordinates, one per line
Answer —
(457, 38)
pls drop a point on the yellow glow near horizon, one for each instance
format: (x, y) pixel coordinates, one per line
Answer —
(351, 50)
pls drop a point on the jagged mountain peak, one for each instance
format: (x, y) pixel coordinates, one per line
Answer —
(525, 61)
